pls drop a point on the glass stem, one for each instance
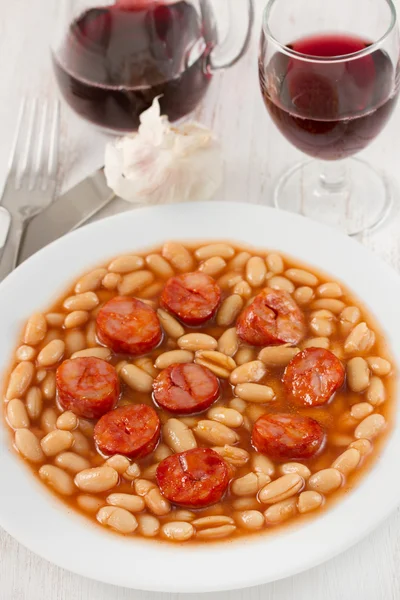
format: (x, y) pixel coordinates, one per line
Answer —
(334, 175)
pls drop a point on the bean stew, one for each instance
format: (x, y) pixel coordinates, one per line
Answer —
(200, 392)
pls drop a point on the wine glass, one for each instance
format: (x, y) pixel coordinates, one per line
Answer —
(112, 58)
(329, 75)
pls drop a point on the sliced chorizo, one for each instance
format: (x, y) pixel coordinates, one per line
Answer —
(272, 318)
(192, 297)
(87, 386)
(193, 479)
(313, 376)
(132, 430)
(186, 389)
(287, 436)
(128, 326)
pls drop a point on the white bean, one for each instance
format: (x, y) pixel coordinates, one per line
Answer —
(128, 501)
(308, 501)
(56, 441)
(358, 374)
(85, 301)
(166, 359)
(156, 503)
(117, 518)
(215, 433)
(226, 416)
(262, 464)
(275, 263)
(301, 277)
(197, 341)
(178, 436)
(17, 414)
(20, 380)
(67, 421)
(277, 356)
(171, 326)
(213, 266)
(254, 392)
(281, 283)
(370, 427)
(91, 281)
(361, 410)
(281, 488)
(98, 479)
(325, 481)
(25, 352)
(126, 264)
(35, 330)
(178, 256)
(330, 289)
(149, 526)
(228, 343)
(34, 402)
(303, 295)
(76, 319)
(89, 504)
(347, 462)
(294, 467)
(51, 354)
(229, 310)
(49, 386)
(249, 484)
(248, 373)
(136, 378)
(223, 250)
(281, 511)
(159, 266)
(220, 364)
(251, 520)
(118, 462)
(256, 271)
(376, 393)
(103, 353)
(361, 339)
(28, 445)
(379, 366)
(57, 479)
(233, 455)
(72, 462)
(135, 282)
(111, 281)
(178, 531)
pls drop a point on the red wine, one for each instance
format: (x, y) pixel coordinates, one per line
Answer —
(329, 110)
(116, 60)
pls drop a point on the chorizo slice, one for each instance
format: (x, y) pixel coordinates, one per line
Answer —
(313, 376)
(193, 479)
(87, 386)
(128, 326)
(272, 318)
(185, 389)
(192, 297)
(287, 436)
(132, 430)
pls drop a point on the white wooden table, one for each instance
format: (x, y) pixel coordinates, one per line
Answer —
(255, 157)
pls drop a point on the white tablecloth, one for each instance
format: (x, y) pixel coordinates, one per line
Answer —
(255, 157)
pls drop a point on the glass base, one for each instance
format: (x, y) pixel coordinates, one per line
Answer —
(349, 194)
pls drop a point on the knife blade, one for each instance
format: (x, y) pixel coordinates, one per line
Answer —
(67, 212)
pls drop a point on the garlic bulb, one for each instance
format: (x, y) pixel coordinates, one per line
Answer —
(161, 163)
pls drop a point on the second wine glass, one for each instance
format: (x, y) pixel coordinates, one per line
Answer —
(329, 79)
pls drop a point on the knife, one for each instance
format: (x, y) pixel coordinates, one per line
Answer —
(67, 212)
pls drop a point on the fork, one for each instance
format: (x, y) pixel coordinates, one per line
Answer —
(32, 173)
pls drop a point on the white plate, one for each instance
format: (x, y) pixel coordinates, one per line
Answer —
(43, 524)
